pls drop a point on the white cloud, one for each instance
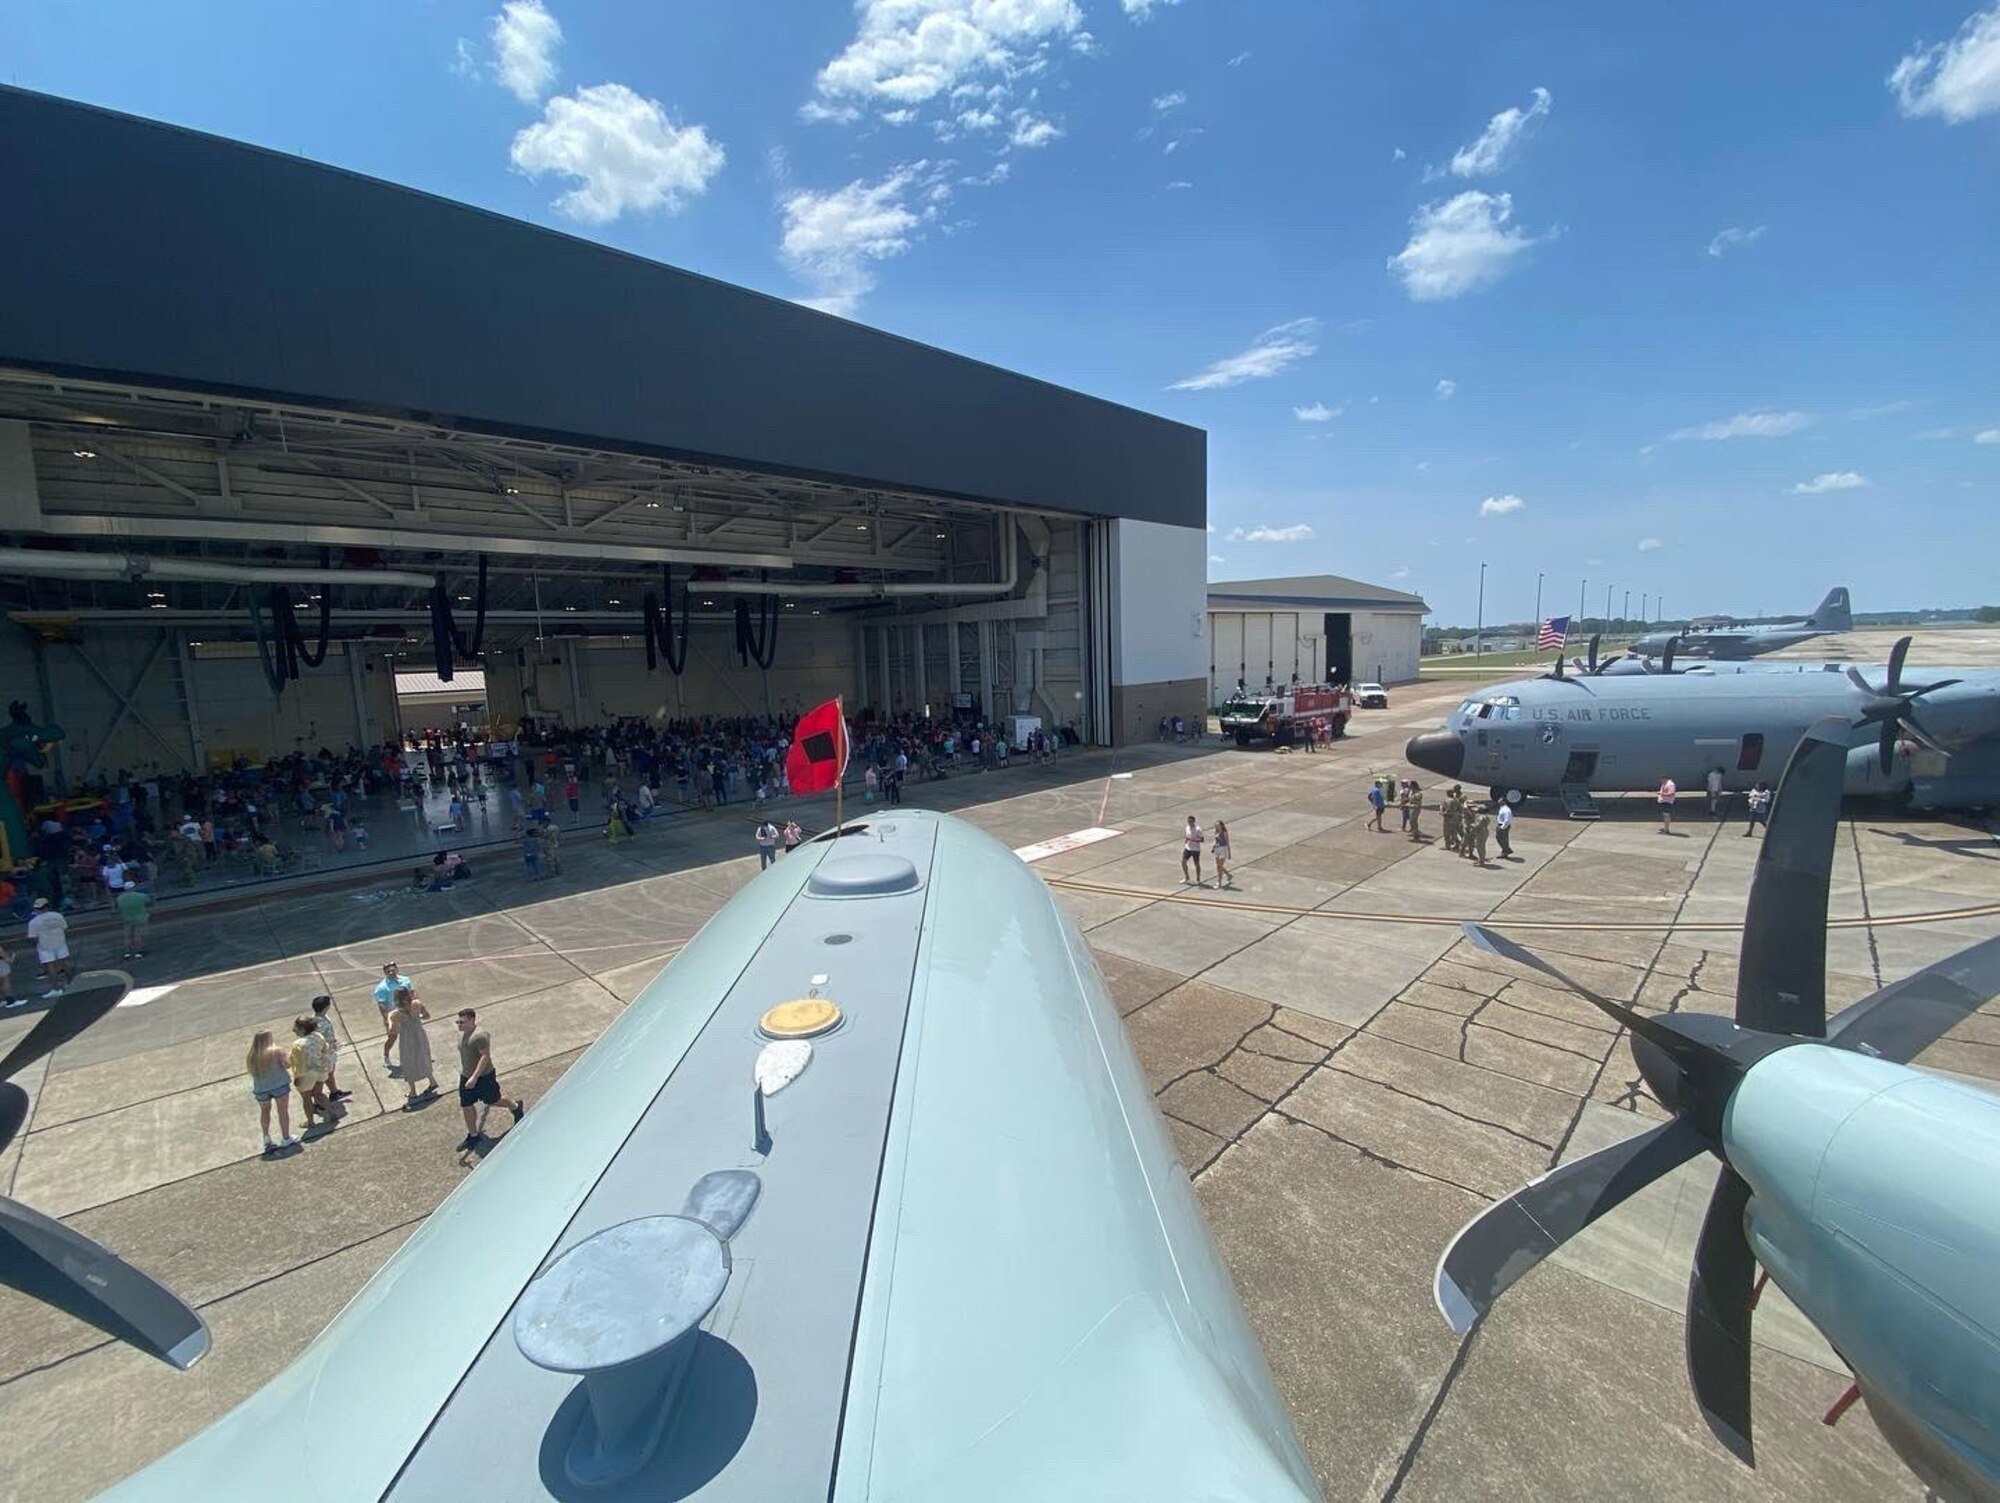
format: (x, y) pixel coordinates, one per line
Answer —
(1748, 425)
(1931, 435)
(1446, 389)
(1165, 102)
(1216, 558)
(1488, 154)
(525, 37)
(622, 149)
(1299, 532)
(1459, 246)
(1734, 236)
(1031, 131)
(1268, 354)
(1318, 412)
(1401, 573)
(1142, 10)
(1832, 480)
(1500, 506)
(908, 52)
(1650, 545)
(1882, 409)
(1239, 60)
(1397, 154)
(831, 239)
(1423, 467)
(1957, 80)
(1987, 436)
(464, 61)
(1179, 182)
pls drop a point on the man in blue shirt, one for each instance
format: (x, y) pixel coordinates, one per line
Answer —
(393, 981)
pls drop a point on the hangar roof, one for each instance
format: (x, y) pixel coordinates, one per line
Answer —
(248, 273)
(1327, 592)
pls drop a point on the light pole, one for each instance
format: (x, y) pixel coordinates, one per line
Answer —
(1538, 601)
(1581, 591)
(1644, 597)
(1625, 614)
(1479, 624)
(1607, 605)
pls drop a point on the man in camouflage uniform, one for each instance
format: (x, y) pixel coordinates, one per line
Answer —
(1482, 827)
(1416, 810)
(1453, 812)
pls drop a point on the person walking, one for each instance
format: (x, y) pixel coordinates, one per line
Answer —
(1403, 801)
(322, 1013)
(478, 1081)
(135, 911)
(1665, 799)
(1378, 804)
(573, 794)
(1191, 840)
(552, 848)
(307, 1062)
(1503, 829)
(9, 998)
(270, 1085)
(413, 1047)
(1222, 853)
(1416, 810)
(531, 852)
(1715, 793)
(393, 980)
(792, 836)
(1760, 808)
(767, 844)
(1481, 827)
(50, 932)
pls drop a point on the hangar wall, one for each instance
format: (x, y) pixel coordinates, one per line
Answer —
(1158, 625)
(1388, 645)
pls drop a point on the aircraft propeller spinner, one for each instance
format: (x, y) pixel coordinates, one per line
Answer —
(1893, 705)
(46, 1260)
(1694, 1062)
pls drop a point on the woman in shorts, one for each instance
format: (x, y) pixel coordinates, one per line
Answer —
(1221, 848)
(271, 1084)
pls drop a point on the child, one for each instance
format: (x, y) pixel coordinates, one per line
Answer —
(323, 1022)
(360, 833)
(8, 1000)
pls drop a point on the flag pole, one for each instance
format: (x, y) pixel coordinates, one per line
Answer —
(840, 772)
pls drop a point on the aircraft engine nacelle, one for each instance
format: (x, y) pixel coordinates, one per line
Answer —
(1865, 775)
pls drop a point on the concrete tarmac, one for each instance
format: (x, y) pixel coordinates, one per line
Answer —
(1346, 1092)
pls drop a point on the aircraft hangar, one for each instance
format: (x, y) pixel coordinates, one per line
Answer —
(272, 433)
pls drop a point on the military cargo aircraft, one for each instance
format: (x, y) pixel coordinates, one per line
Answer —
(1935, 743)
(1695, 641)
(1864, 1187)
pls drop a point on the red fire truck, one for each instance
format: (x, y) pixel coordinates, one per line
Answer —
(1288, 714)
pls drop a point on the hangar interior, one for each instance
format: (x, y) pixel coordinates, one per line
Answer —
(312, 436)
(163, 545)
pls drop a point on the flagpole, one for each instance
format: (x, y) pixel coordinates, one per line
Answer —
(840, 773)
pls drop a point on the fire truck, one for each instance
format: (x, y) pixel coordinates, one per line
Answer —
(1285, 715)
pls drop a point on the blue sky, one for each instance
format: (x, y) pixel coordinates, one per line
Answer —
(1693, 301)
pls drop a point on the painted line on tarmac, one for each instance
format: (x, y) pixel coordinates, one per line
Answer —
(1559, 926)
(1041, 850)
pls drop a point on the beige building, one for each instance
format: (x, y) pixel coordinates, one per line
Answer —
(1320, 627)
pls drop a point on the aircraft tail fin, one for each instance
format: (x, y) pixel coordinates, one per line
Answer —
(1834, 613)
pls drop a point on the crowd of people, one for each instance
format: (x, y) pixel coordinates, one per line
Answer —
(309, 1065)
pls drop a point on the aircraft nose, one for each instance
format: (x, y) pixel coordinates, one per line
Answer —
(1437, 751)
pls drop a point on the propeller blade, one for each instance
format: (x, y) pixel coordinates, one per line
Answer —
(1923, 737)
(1718, 1317)
(13, 1111)
(1593, 653)
(1887, 745)
(1511, 1237)
(1913, 691)
(47, 1261)
(1854, 677)
(87, 1000)
(1781, 975)
(1667, 657)
(1896, 655)
(1673, 1044)
(1906, 1017)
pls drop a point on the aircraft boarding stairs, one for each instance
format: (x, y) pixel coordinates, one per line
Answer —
(1577, 801)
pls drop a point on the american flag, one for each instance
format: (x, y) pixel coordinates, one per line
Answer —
(1554, 632)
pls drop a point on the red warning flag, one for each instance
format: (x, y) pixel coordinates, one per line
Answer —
(818, 754)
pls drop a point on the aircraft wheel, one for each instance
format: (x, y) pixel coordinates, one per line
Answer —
(1501, 795)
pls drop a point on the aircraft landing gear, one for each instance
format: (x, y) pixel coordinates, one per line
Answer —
(1501, 795)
